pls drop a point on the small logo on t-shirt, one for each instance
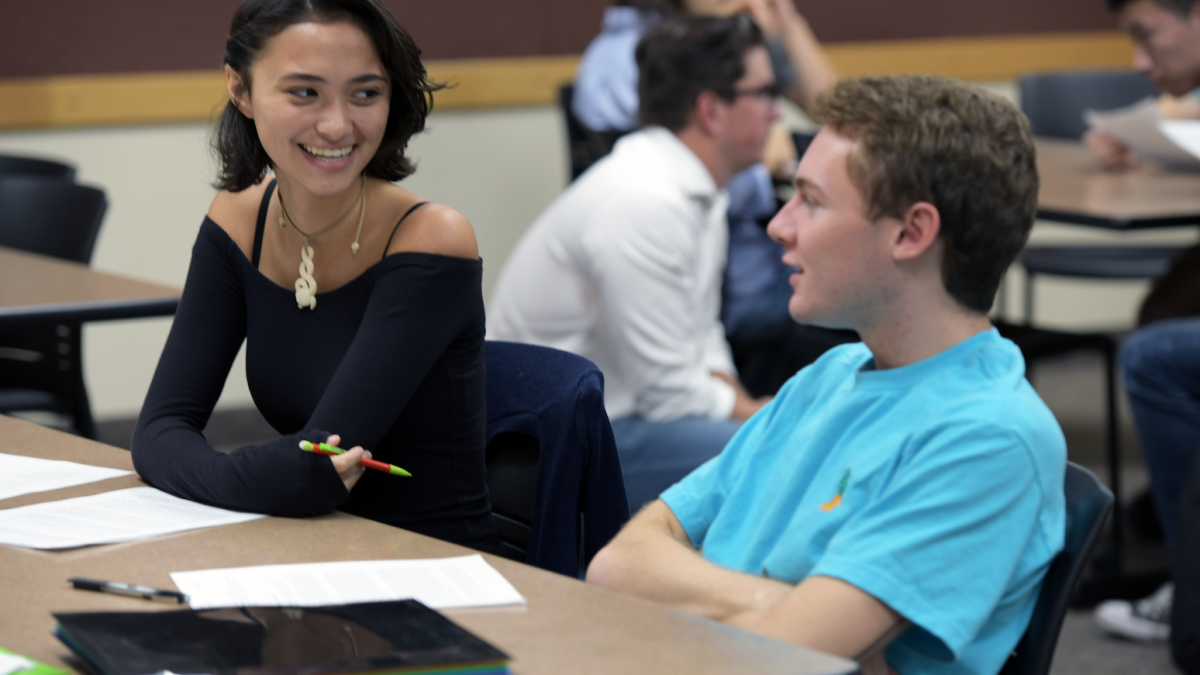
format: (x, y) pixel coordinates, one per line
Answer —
(833, 503)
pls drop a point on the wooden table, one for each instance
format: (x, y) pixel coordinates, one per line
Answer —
(40, 288)
(1076, 190)
(567, 627)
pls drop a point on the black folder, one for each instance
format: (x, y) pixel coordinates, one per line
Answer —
(401, 636)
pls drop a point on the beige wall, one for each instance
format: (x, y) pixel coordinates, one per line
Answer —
(500, 167)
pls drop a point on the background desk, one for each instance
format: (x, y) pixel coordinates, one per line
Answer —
(39, 288)
(1076, 190)
(567, 627)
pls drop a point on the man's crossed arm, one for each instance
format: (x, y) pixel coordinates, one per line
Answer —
(652, 557)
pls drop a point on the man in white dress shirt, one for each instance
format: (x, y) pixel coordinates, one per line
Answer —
(625, 267)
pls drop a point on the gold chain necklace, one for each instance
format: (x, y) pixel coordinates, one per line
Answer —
(306, 285)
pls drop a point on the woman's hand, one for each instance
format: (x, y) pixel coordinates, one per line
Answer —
(347, 464)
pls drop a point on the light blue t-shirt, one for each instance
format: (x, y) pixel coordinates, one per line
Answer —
(936, 487)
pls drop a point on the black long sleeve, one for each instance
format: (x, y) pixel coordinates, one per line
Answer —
(169, 448)
(392, 361)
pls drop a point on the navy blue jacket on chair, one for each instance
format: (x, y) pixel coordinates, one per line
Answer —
(558, 399)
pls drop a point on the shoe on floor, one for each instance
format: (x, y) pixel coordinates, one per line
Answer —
(1145, 620)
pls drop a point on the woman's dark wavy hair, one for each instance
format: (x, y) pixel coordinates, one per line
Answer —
(243, 160)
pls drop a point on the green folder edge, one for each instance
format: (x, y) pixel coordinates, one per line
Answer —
(39, 669)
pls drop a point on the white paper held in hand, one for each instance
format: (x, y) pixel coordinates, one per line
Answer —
(1184, 133)
(440, 583)
(1139, 126)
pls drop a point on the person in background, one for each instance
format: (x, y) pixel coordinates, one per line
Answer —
(359, 302)
(624, 268)
(606, 84)
(1166, 40)
(1161, 360)
(755, 290)
(901, 499)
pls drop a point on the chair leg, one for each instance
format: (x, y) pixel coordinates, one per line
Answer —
(81, 409)
(1028, 318)
(82, 412)
(1114, 454)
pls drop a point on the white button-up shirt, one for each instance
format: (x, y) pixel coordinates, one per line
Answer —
(625, 269)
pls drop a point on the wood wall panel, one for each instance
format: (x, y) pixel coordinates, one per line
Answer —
(188, 96)
(40, 38)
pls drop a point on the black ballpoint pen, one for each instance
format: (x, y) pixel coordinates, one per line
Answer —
(146, 592)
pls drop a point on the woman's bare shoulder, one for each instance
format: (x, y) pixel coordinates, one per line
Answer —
(436, 228)
(237, 214)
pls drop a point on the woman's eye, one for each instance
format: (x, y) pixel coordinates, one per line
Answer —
(303, 92)
(368, 94)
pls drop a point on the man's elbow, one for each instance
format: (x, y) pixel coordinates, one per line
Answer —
(607, 567)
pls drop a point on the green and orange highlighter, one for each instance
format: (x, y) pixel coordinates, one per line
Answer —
(327, 449)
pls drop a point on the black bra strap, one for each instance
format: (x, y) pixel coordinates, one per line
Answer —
(406, 214)
(262, 222)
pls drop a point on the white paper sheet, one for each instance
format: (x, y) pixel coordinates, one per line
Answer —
(1139, 127)
(441, 583)
(11, 663)
(21, 475)
(120, 515)
(1184, 133)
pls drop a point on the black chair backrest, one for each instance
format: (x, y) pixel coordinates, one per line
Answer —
(1054, 102)
(553, 474)
(50, 217)
(1088, 504)
(512, 474)
(585, 146)
(13, 165)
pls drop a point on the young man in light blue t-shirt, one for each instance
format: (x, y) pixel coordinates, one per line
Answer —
(901, 499)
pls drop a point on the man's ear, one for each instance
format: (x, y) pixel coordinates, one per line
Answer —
(708, 112)
(917, 231)
(239, 93)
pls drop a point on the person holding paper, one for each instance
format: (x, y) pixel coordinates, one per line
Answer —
(1166, 37)
(359, 302)
(901, 499)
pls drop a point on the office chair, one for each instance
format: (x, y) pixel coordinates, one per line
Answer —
(1088, 505)
(41, 366)
(554, 479)
(13, 165)
(585, 146)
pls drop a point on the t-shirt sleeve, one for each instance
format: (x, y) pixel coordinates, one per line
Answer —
(926, 543)
(699, 496)
(169, 448)
(420, 305)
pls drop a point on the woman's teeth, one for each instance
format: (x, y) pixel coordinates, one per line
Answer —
(331, 154)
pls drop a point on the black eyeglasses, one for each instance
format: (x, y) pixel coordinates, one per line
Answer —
(768, 92)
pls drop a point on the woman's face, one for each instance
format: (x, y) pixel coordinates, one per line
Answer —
(319, 100)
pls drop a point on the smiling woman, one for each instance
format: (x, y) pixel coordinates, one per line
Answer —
(323, 98)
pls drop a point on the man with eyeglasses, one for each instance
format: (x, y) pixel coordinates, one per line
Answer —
(625, 267)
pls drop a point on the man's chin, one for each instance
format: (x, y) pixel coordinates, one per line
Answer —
(810, 317)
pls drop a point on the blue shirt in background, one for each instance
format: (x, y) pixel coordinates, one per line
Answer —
(936, 487)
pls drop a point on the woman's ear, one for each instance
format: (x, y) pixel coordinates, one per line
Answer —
(239, 93)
